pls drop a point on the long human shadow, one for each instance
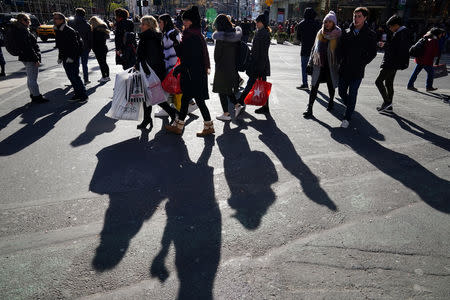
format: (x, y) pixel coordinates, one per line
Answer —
(431, 189)
(138, 175)
(249, 175)
(39, 120)
(12, 115)
(193, 224)
(280, 144)
(98, 125)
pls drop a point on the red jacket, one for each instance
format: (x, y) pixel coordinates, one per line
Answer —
(431, 51)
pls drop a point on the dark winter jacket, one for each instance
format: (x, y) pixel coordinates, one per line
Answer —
(121, 27)
(100, 34)
(431, 51)
(66, 42)
(150, 51)
(396, 51)
(307, 31)
(84, 30)
(356, 51)
(226, 77)
(193, 64)
(27, 42)
(259, 61)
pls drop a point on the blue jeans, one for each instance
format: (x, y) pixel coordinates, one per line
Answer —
(72, 71)
(430, 75)
(305, 60)
(84, 63)
(348, 90)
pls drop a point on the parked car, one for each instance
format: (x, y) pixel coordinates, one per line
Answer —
(46, 31)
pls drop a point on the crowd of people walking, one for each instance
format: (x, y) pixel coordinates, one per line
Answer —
(330, 54)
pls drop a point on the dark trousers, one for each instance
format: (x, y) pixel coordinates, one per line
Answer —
(84, 63)
(101, 59)
(72, 71)
(224, 101)
(185, 100)
(325, 75)
(251, 81)
(348, 91)
(169, 109)
(430, 75)
(385, 84)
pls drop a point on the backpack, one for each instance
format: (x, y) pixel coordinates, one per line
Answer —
(11, 43)
(418, 49)
(243, 58)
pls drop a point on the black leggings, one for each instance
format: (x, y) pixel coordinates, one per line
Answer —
(169, 109)
(224, 101)
(101, 59)
(324, 75)
(185, 100)
(385, 84)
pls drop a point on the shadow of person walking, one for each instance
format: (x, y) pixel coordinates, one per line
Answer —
(280, 144)
(193, 224)
(249, 175)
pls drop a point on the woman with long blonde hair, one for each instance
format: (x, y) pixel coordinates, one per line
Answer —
(100, 34)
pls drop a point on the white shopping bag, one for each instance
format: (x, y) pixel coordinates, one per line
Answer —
(155, 92)
(121, 109)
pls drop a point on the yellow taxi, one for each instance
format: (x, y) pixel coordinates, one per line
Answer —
(46, 31)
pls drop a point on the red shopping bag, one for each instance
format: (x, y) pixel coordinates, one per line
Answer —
(259, 94)
(171, 84)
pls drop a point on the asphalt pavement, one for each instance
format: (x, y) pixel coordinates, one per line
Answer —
(271, 207)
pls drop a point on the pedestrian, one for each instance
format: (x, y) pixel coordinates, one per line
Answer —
(246, 30)
(193, 69)
(29, 54)
(100, 34)
(426, 60)
(2, 58)
(83, 28)
(122, 40)
(226, 77)
(150, 54)
(442, 42)
(306, 34)
(357, 48)
(396, 57)
(324, 61)
(70, 49)
(259, 60)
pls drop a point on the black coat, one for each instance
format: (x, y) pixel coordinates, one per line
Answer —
(194, 77)
(396, 51)
(121, 27)
(355, 51)
(306, 34)
(67, 43)
(84, 30)
(150, 51)
(100, 35)
(259, 62)
(27, 42)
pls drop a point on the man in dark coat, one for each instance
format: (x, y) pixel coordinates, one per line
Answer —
(70, 49)
(83, 28)
(396, 57)
(306, 34)
(123, 25)
(357, 48)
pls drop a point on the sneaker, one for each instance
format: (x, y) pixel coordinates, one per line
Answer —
(224, 117)
(345, 124)
(104, 79)
(431, 89)
(384, 107)
(86, 82)
(411, 88)
(192, 107)
(303, 87)
(238, 110)
(162, 113)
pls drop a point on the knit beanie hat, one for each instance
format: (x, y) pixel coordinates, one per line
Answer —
(192, 15)
(331, 17)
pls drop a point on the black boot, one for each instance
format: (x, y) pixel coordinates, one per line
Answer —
(38, 99)
(147, 118)
(308, 113)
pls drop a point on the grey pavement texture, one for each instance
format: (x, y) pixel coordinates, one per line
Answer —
(272, 207)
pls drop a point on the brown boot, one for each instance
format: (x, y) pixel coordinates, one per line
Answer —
(208, 128)
(176, 127)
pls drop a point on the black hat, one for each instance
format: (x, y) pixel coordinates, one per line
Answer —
(263, 19)
(193, 15)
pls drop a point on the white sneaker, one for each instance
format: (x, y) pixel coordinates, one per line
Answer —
(345, 124)
(192, 107)
(224, 117)
(161, 113)
(238, 110)
(104, 79)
